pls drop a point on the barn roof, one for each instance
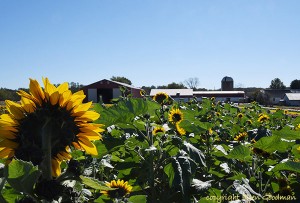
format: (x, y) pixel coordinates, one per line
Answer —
(293, 96)
(218, 92)
(173, 92)
(111, 81)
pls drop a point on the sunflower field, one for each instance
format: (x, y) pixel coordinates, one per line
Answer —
(56, 148)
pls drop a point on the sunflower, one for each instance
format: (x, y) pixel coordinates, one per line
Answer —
(240, 115)
(51, 110)
(121, 189)
(158, 129)
(263, 118)
(240, 136)
(142, 93)
(160, 97)
(179, 129)
(175, 115)
(249, 122)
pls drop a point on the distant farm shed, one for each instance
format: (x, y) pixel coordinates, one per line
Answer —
(106, 90)
(292, 99)
(187, 94)
(176, 94)
(232, 96)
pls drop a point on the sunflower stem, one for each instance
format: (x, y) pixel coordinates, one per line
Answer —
(46, 165)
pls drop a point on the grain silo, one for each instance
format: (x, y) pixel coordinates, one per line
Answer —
(227, 84)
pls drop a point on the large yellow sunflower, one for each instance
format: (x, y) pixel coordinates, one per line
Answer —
(175, 115)
(122, 189)
(53, 110)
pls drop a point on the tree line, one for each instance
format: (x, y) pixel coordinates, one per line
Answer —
(192, 83)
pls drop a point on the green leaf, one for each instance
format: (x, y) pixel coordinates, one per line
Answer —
(22, 175)
(101, 148)
(192, 127)
(169, 170)
(237, 177)
(239, 152)
(138, 198)
(95, 184)
(287, 133)
(296, 151)
(10, 195)
(123, 112)
(287, 166)
(178, 179)
(272, 144)
(217, 173)
(196, 154)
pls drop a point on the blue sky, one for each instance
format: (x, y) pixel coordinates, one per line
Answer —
(151, 42)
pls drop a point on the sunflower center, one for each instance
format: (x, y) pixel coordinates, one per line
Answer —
(177, 117)
(120, 192)
(63, 132)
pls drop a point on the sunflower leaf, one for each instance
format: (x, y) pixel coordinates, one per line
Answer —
(287, 166)
(138, 198)
(239, 152)
(22, 175)
(95, 184)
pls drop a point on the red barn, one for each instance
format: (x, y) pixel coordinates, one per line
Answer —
(106, 90)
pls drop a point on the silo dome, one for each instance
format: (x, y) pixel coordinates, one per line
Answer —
(227, 84)
(227, 78)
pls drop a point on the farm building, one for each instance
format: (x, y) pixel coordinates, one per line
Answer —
(292, 99)
(106, 90)
(185, 94)
(232, 96)
(274, 96)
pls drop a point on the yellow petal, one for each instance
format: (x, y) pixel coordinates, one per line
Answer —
(79, 93)
(55, 167)
(87, 145)
(36, 90)
(75, 100)
(63, 87)
(15, 109)
(7, 120)
(49, 88)
(54, 98)
(6, 152)
(9, 144)
(28, 105)
(87, 116)
(82, 107)
(64, 98)
(91, 135)
(6, 134)
(24, 94)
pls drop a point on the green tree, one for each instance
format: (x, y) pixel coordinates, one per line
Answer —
(172, 85)
(277, 84)
(75, 86)
(295, 84)
(8, 94)
(121, 79)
